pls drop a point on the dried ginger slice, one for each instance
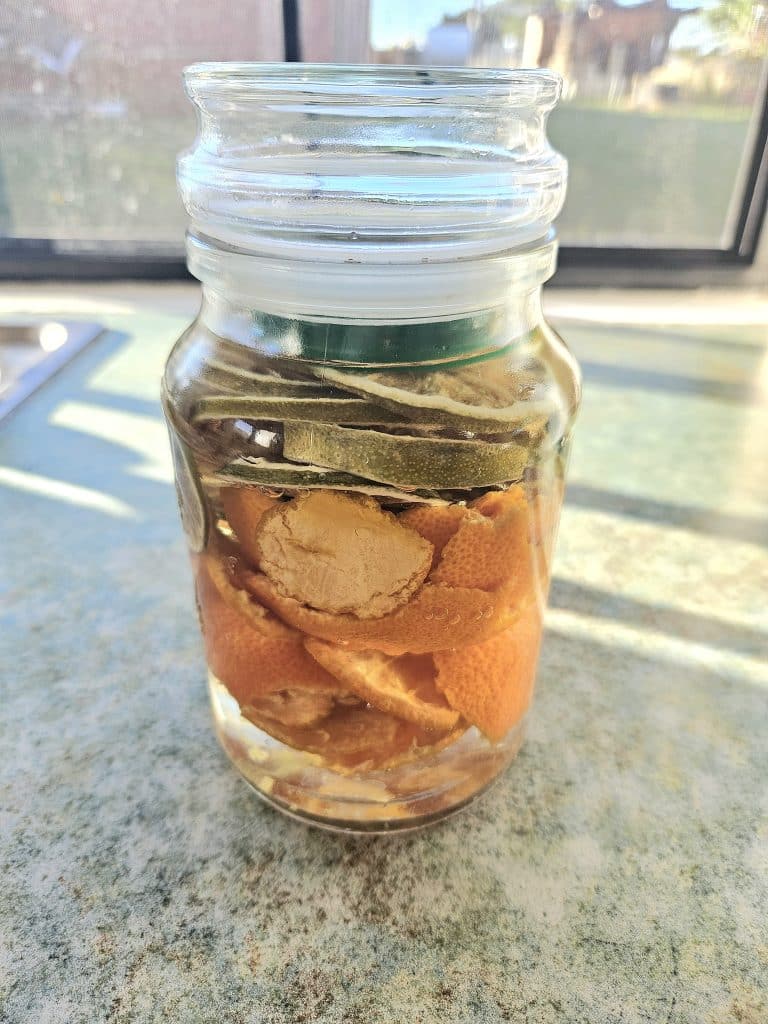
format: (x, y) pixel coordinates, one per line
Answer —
(490, 554)
(491, 683)
(248, 649)
(302, 708)
(355, 739)
(435, 619)
(341, 554)
(436, 523)
(244, 508)
(404, 685)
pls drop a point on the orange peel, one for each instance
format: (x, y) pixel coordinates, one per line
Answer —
(435, 523)
(404, 685)
(491, 683)
(490, 554)
(543, 501)
(341, 554)
(494, 504)
(248, 649)
(244, 508)
(436, 618)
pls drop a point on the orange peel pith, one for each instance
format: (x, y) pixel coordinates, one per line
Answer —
(250, 651)
(491, 683)
(404, 685)
(294, 708)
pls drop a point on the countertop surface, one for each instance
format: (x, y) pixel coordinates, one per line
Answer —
(617, 873)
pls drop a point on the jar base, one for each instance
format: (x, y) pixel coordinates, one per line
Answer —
(408, 797)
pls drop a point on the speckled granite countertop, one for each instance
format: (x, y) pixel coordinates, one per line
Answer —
(618, 872)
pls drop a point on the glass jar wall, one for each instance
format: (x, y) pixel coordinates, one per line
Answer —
(370, 422)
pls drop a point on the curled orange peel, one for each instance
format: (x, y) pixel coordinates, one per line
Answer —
(248, 649)
(435, 523)
(403, 686)
(244, 508)
(492, 553)
(491, 683)
(436, 618)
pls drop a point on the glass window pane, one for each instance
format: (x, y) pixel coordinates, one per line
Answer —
(661, 100)
(658, 120)
(93, 113)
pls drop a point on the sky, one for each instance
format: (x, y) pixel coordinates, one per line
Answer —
(395, 22)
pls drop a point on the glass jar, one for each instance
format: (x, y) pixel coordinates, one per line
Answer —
(370, 422)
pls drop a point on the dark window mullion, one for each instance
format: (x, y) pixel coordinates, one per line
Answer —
(292, 40)
(752, 213)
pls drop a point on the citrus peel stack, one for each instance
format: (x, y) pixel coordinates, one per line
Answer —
(293, 626)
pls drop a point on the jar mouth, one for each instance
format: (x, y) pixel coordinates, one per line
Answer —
(343, 166)
(513, 87)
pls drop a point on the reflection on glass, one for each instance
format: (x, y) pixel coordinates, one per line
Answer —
(93, 113)
(660, 101)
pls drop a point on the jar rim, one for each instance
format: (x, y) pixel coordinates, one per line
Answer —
(514, 86)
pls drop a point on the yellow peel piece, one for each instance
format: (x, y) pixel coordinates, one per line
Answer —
(485, 395)
(340, 554)
(404, 686)
(312, 409)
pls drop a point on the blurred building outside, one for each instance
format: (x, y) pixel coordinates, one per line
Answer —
(606, 51)
(660, 101)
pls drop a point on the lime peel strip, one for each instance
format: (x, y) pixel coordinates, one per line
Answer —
(441, 408)
(402, 461)
(281, 475)
(323, 410)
